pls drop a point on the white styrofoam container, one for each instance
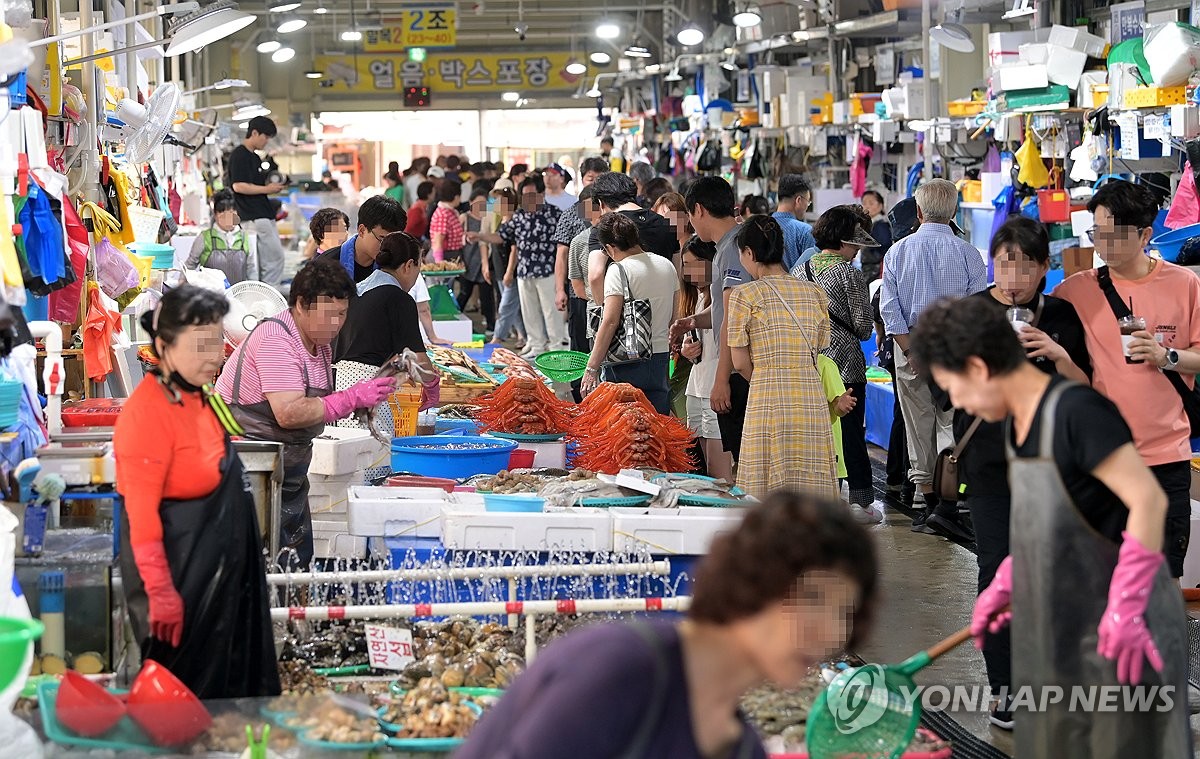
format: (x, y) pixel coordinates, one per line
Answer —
(327, 493)
(1034, 52)
(550, 455)
(1021, 76)
(391, 512)
(1087, 80)
(1064, 66)
(350, 451)
(1185, 121)
(332, 539)
(566, 530)
(457, 330)
(1173, 52)
(1077, 39)
(670, 531)
(1004, 48)
(1081, 222)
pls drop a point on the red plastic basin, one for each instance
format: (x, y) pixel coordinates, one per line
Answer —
(521, 458)
(413, 481)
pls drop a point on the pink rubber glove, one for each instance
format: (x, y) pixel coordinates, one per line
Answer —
(1124, 637)
(364, 394)
(990, 614)
(431, 393)
(166, 605)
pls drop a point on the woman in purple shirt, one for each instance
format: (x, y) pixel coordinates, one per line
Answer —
(791, 587)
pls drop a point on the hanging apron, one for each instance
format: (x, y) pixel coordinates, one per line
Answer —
(1061, 572)
(214, 549)
(258, 421)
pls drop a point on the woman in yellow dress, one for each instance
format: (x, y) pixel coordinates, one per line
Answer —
(777, 326)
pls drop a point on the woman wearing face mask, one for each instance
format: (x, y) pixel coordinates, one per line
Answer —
(655, 688)
(1054, 342)
(191, 552)
(777, 325)
(279, 383)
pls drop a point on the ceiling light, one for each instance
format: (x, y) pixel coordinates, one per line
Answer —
(690, 35)
(594, 92)
(607, 30)
(746, 19)
(637, 51)
(244, 125)
(730, 63)
(653, 68)
(510, 97)
(674, 76)
(314, 74)
(292, 23)
(283, 55)
(281, 6)
(351, 35)
(600, 58)
(205, 26)
(269, 46)
(576, 68)
(320, 10)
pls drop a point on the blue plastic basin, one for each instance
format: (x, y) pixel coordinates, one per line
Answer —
(433, 456)
(1170, 243)
(525, 502)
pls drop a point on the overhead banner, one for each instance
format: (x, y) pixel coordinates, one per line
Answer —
(447, 73)
(429, 25)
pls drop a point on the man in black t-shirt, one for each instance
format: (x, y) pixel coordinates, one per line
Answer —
(618, 192)
(251, 192)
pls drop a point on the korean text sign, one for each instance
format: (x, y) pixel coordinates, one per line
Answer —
(447, 73)
(431, 25)
(389, 647)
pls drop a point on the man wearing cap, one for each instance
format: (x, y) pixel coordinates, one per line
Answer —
(557, 179)
(929, 264)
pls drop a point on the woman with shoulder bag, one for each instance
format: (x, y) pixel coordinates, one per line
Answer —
(1054, 341)
(631, 343)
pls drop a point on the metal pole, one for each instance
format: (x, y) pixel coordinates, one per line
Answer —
(131, 59)
(131, 52)
(480, 609)
(926, 25)
(87, 28)
(465, 573)
(95, 103)
(530, 638)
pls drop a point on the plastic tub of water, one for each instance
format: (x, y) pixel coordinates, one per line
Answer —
(452, 457)
(515, 502)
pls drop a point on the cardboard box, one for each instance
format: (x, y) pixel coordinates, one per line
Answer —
(1076, 259)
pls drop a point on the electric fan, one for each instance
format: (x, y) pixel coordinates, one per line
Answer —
(249, 303)
(147, 126)
(194, 131)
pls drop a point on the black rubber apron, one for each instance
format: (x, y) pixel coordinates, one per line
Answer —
(1061, 572)
(214, 549)
(259, 423)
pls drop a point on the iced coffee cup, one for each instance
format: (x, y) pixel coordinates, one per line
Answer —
(1129, 325)
(1019, 318)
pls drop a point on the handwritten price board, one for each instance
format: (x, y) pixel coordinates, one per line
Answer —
(389, 647)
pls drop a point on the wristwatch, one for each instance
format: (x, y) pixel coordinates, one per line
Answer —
(1172, 360)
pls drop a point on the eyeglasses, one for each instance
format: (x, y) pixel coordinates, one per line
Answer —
(377, 237)
(1115, 233)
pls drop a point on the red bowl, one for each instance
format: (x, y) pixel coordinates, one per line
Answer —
(165, 708)
(86, 708)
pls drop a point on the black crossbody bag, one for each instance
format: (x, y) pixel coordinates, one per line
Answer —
(1189, 395)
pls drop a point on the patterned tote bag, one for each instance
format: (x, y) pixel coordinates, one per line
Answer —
(634, 340)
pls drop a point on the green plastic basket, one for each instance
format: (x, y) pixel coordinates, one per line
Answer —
(16, 635)
(562, 366)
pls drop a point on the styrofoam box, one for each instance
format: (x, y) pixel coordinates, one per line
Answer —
(327, 493)
(1065, 66)
(1021, 76)
(1004, 48)
(332, 539)
(551, 455)
(349, 451)
(1087, 80)
(566, 530)
(390, 512)
(1034, 52)
(671, 531)
(1077, 39)
(456, 330)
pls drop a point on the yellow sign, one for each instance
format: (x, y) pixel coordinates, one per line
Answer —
(447, 73)
(433, 25)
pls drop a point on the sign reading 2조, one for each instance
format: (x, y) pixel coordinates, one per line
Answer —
(447, 73)
(430, 25)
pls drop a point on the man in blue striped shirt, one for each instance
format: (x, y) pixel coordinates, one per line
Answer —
(929, 264)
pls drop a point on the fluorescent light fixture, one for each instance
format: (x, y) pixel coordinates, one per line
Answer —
(594, 92)
(730, 63)
(653, 68)
(351, 35)
(320, 10)
(637, 51)
(746, 18)
(510, 97)
(576, 68)
(269, 46)
(314, 74)
(205, 26)
(247, 112)
(600, 58)
(690, 35)
(290, 24)
(283, 54)
(674, 76)
(282, 6)
(607, 30)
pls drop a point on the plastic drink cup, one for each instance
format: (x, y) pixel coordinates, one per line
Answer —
(1129, 325)
(1019, 318)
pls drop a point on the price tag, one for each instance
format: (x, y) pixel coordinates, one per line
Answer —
(389, 647)
(1152, 126)
(1130, 137)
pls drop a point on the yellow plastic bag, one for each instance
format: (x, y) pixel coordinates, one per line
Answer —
(1033, 170)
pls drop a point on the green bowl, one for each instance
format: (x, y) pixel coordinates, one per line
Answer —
(16, 635)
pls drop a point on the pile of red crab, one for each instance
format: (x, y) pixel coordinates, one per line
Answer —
(614, 428)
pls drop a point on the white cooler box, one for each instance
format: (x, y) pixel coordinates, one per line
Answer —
(332, 540)
(343, 450)
(392, 512)
(687, 531)
(328, 493)
(566, 530)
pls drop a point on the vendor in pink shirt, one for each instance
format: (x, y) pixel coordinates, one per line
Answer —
(1167, 297)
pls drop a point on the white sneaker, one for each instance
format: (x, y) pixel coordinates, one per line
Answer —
(868, 515)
